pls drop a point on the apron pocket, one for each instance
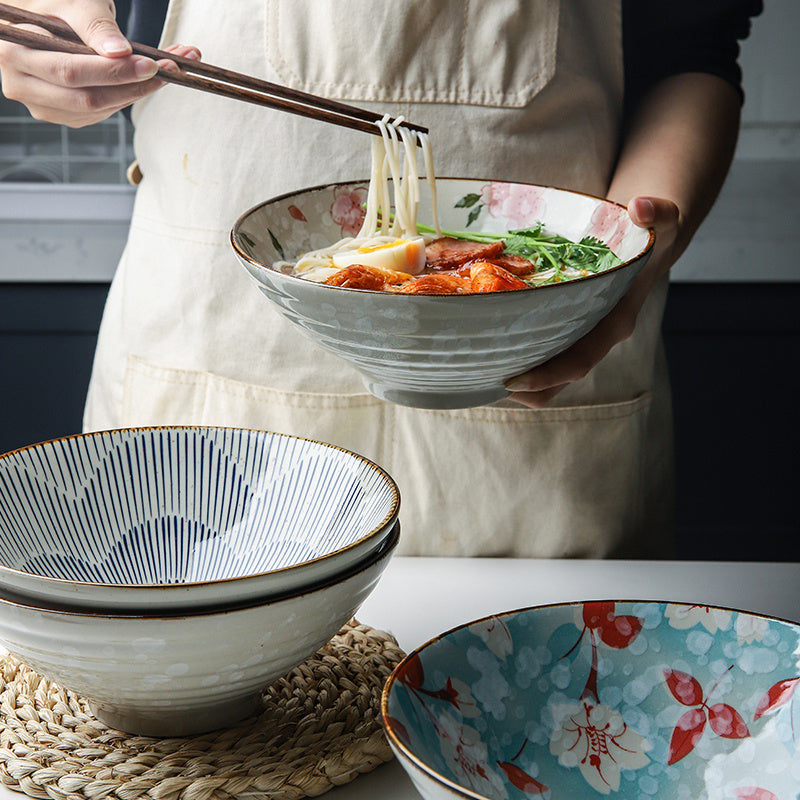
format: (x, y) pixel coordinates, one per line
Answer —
(415, 51)
(155, 394)
(554, 482)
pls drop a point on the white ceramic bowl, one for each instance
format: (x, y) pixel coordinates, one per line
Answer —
(619, 699)
(169, 519)
(181, 675)
(441, 351)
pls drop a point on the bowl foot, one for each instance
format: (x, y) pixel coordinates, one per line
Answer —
(434, 399)
(166, 723)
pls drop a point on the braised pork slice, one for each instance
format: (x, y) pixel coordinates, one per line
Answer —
(448, 253)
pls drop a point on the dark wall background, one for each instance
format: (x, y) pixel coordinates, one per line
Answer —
(734, 354)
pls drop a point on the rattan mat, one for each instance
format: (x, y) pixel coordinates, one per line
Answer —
(320, 727)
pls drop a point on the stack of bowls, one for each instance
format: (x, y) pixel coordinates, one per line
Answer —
(169, 574)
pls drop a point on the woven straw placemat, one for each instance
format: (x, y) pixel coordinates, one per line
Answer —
(320, 727)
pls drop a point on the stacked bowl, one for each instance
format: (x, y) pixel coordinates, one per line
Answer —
(169, 574)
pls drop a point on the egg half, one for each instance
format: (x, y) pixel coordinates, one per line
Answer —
(400, 255)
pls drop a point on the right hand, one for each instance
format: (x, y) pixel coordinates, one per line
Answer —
(79, 90)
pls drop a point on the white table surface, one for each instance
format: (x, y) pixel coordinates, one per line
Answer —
(418, 598)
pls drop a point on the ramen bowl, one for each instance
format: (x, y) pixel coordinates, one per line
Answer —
(440, 351)
(173, 518)
(617, 699)
(182, 675)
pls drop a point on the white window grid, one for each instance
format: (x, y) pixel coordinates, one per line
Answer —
(32, 151)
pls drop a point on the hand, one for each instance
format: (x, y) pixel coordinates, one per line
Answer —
(79, 90)
(539, 386)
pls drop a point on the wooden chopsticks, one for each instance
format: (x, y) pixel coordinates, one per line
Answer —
(197, 74)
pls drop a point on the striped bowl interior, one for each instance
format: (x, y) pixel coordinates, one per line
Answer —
(165, 506)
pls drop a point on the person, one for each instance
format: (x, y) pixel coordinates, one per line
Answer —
(638, 102)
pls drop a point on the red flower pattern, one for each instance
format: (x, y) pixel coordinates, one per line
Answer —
(723, 719)
(778, 695)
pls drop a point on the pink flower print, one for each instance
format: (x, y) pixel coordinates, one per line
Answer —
(712, 619)
(519, 205)
(597, 740)
(495, 636)
(347, 209)
(609, 224)
(467, 756)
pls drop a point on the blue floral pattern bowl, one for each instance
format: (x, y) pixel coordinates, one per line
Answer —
(628, 700)
(177, 518)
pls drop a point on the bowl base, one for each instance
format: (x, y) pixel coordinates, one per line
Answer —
(166, 723)
(436, 400)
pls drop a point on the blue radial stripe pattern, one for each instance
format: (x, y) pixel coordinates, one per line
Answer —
(159, 506)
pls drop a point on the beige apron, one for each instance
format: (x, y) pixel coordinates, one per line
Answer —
(524, 90)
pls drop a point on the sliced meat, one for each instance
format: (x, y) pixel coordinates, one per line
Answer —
(516, 265)
(449, 253)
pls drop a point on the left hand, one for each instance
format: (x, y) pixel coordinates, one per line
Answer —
(540, 385)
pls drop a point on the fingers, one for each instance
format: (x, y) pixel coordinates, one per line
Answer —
(186, 51)
(93, 20)
(79, 71)
(80, 107)
(537, 399)
(76, 90)
(654, 212)
(79, 90)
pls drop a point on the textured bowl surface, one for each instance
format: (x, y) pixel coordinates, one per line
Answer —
(175, 676)
(176, 518)
(602, 699)
(440, 351)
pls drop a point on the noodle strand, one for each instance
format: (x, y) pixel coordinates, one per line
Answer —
(380, 226)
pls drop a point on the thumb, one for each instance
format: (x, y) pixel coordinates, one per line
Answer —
(96, 24)
(654, 212)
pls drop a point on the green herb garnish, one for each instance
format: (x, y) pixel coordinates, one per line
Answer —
(546, 251)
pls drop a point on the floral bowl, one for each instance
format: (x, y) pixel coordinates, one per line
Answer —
(602, 699)
(440, 351)
(171, 519)
(186, 674)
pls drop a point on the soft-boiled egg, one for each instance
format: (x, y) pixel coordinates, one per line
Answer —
(401, 255)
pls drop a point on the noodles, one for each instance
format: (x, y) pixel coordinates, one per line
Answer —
(387, 219)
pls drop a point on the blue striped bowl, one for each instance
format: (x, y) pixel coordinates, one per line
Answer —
(184, 517)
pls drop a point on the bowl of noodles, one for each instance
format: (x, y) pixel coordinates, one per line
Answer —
(440, 290)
